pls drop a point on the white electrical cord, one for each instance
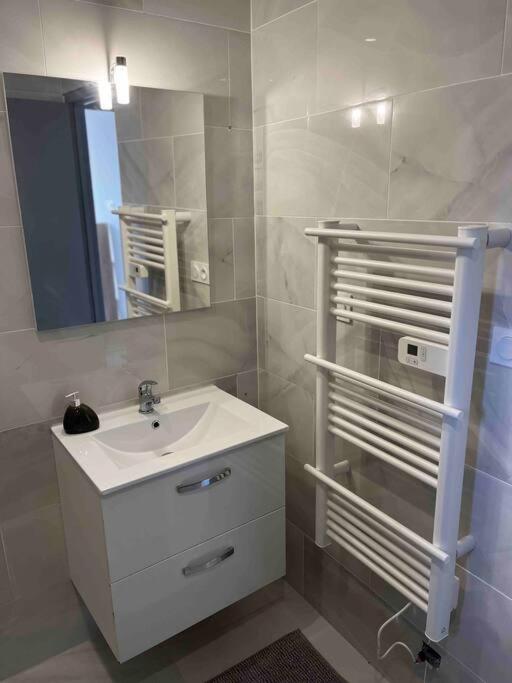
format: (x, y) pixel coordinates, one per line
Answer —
(398, 643)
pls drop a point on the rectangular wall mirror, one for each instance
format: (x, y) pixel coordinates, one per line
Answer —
(113, 202)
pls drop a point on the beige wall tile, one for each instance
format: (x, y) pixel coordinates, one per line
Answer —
(16, 311)
(229, 174)
(213, 343)
(21, 42)
(264, 11)
(28, 480)
(227, 13)
(35, 548)
(414, 46)
(283, 55)
(105, 362)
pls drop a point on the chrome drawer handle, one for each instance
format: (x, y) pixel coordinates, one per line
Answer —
(204, 483)
(192, 569)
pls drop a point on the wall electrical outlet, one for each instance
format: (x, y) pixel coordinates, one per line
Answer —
(200, 272)
(501, 346)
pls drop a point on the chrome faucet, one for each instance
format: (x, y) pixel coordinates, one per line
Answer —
(147, 400)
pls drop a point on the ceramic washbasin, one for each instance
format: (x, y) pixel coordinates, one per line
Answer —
(130, 447)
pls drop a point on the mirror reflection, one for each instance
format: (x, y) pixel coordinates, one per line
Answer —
(113, 202)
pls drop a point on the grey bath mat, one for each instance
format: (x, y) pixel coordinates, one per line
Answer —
(291, 659)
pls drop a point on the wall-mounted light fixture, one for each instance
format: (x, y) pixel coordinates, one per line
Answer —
(119, 78)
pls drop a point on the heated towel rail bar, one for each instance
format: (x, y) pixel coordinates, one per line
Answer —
(150, 253)
(384, 279)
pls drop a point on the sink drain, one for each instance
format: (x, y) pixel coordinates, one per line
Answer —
(155, 424)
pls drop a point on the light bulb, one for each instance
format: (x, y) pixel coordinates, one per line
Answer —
(121, 81)
(105, 95)
(356, 118)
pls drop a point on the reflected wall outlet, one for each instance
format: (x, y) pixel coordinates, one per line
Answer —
(200, 272)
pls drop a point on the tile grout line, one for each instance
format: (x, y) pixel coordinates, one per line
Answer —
(393, 96)
(43, 42)
(234, 258)
(391, 128)
(148, 13)
(286, 14)
(505, 28)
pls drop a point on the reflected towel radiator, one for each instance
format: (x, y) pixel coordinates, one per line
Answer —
(426, 439)
(150, 244)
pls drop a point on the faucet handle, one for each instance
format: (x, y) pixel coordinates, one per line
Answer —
(145, 386)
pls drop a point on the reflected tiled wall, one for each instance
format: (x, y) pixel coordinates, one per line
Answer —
(439, 153)
(198, 46)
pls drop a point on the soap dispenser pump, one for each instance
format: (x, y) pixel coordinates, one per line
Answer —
(79, 418)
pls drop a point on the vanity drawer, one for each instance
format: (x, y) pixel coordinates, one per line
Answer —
(154, 520)
(167, 598)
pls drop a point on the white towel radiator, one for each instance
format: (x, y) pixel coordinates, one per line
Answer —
(150, 244)
(421, 437)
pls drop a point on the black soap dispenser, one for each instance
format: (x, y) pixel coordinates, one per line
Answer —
(79, 418)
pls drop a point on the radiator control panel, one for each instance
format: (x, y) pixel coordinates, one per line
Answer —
(423, 355)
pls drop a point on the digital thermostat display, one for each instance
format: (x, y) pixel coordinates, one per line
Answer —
(422, 355)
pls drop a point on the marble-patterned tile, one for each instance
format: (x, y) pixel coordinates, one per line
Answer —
(356, 613)
(147, 172)
(222, 281)
(247, 387)
(285, 334)
(229, 173)
(36, 552)
(295, 557)
(284, 59)
(166, 113)
(6, 594)
(16, 312)
(240, 80)
(351, 177)
(324, 165)
(105, 362)
(489, 437)
(294, 406)
(189, 172)
(300, 497)
(226, 13)
(37, 628)
(393, 48)
(264, 11)
(452, 153)
(486, 511)
(213, 343)
(9, 212)
(21, 41)
(28, 480)
(243, 236)
(285, 260)
(103, 32)
(480, 630)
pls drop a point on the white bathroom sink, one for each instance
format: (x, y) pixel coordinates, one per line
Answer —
(130, 447)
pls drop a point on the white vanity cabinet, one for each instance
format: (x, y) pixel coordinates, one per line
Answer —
(156, 556)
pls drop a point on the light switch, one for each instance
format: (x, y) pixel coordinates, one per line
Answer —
(501, 346)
